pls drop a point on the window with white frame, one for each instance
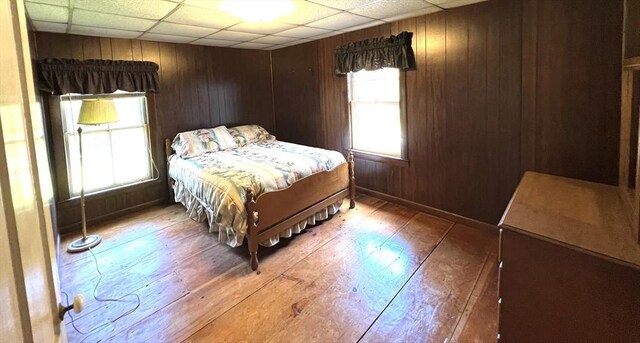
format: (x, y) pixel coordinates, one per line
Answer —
(115, 154)
(376, 112)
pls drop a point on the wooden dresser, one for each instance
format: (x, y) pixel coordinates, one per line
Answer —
(569, 264)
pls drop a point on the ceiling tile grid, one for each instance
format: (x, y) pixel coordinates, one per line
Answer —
(203, 22)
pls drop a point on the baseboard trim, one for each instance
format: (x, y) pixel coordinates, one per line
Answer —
(71, 228)
(493, 229)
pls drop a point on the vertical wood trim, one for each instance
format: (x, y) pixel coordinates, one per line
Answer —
(625, 131)
(273, 101)
(25, 246)
(90, 48)
(435, 138)
(77, 51)
(12, 236)
(628, 112)
(529, 83)
(105, 48)
(136, 50)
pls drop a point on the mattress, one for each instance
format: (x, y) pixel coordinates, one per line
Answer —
(213, 186)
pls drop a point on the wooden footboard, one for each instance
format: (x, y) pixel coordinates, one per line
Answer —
(272, 212)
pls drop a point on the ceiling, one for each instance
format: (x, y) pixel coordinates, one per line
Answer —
(202, 22)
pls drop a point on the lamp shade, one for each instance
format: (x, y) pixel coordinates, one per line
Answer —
(97, 111)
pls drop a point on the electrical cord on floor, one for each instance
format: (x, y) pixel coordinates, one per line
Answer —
(153, 162)
(109, 322)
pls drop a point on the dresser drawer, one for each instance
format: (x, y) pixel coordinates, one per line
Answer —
(552, 293)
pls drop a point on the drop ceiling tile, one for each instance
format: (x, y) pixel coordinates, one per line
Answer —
(427, 10)
(363, 26)
(208, 4)
(389, 8)
(340, 21)
(111, 21)
(264, 28)
(49, 27)
(458, 3)
(299, 41)
(274, 40)
(182, 30)
(306, 12)
(343, 4)
(197, 16)
(214, 42)
(302, 32)
(100, 32)
(248, 45)
(166, 38)
(49, 13)
(63, 3)
(149, 9)
(234, 36)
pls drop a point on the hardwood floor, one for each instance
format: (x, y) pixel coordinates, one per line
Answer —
(378, 273)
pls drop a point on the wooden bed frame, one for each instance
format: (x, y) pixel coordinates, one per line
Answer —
(273, 212)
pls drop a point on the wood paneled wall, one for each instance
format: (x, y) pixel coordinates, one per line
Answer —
(299, 120)
(199, 87)
(571, 88)
(500, 87)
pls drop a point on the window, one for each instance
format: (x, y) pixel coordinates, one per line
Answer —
(115, 154)
(376, 108)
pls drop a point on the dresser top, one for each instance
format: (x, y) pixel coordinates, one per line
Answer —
(574, 213)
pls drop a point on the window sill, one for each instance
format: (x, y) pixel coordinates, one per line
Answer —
(113, 191)
(370, 156)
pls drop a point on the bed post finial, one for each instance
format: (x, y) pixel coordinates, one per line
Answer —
(352, 180)
(168, 150)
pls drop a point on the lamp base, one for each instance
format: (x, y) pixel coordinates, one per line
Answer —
(82, 244)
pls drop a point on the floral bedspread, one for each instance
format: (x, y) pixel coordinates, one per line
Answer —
(213, 185)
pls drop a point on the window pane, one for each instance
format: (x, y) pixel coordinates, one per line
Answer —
(376, 128)
(129, 153)
(114, 154)
(70, 111)
(376, 90)
(380, 74)
(130, 112)
(377, 85)
(375, 111)
(98, 163)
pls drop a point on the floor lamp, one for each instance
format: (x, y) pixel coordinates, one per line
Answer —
(92, 112)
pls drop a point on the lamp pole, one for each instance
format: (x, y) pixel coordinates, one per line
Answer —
(82, 209)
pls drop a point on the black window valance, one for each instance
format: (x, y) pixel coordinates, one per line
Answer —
(62, 76)
(376, 53)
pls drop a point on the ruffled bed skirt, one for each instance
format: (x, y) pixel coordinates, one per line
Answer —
(199, 211)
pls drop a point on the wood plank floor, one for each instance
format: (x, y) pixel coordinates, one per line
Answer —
(378, 273)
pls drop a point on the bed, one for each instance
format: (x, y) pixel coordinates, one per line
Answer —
(257, 187)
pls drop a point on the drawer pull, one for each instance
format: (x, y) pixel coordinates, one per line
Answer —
(500, 265)
(500, 301)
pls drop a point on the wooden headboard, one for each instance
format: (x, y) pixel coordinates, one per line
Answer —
(168, 150)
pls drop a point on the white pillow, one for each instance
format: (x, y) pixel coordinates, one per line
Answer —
(197, 142)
